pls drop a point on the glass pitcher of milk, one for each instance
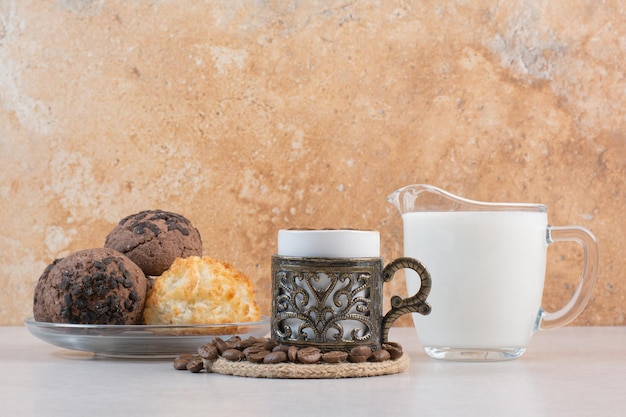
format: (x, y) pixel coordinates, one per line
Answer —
(488, 263)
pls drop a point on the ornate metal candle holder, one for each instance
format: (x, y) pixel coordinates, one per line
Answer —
(336, 303)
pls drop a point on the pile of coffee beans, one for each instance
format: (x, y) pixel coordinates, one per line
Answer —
(268, 351)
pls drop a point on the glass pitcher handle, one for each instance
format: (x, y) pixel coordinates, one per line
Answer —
(582, 236)
(414, 304)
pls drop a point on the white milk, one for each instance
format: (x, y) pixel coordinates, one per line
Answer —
(487, 276)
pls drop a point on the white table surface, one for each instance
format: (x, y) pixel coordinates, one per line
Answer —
(573, 371)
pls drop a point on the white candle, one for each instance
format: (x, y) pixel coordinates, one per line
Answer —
(332, 243)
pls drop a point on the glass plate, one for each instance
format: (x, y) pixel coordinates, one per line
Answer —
(140, 341)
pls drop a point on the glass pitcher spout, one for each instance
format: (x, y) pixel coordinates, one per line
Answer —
(423, 197)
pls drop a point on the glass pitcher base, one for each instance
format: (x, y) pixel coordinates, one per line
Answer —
(473, 354)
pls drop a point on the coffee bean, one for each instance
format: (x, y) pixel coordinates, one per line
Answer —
(233, 355)
(292, 353)
(380, 356)
(270, 344)
(281, 348)
(360, 354)
(208, 351)
(243, 344)
(195, 365)
(361, 351)
(275, 357)
(335, 356)
(255, 348)
(394, 349)
(357, 359)
(309, 355)
(180, 362)
(232, 344)
(220, 344)
(258, 357)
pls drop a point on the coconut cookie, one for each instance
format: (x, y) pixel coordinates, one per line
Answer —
(200, 290)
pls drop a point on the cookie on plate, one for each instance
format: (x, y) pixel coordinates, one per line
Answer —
(153, 239)
(201, 290)
(92, 286)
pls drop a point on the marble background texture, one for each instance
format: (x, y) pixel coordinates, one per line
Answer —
(252, 116)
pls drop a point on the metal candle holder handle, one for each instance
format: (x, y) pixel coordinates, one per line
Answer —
(414, 304)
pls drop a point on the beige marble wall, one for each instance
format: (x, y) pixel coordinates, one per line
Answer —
(250, 116)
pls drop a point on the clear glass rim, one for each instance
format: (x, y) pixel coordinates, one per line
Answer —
(469, 205)
(30, 321)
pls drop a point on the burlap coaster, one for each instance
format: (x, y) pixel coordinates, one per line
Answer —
(300, 371)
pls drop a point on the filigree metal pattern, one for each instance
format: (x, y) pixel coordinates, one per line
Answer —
(320, 302)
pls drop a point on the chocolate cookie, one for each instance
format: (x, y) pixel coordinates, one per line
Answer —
(153, 239)
(93, 286)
